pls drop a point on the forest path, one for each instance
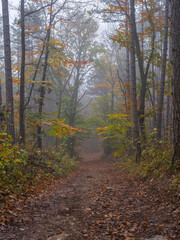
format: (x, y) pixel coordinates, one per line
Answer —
(97, 202)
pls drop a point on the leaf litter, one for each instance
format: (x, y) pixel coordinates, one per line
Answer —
(98, 201)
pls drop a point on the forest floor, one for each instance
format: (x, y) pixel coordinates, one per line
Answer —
(95, 202)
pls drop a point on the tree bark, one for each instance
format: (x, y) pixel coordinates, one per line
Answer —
(163, 74)
(73, 110)
(59, 114)
(42, 88)
(0, 94)
(133, 79)
(128, 70)
(143, 73)
(8, 71)
(169, 99)
(128, 81)
(22, 79)
(112, 82)
(153, 95)
(175, 34)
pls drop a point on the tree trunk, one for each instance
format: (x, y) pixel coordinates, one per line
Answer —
(35, 75)
(42, 88)
(128, 70)
(167, 114)
(153, 95)
(22, 79)
(143, 73)
(8, 72)
(133, 79)
(128, 81)
(0, 94)
(42, 93)
(59, 115)
(112, 98)
(72, 140)
(175, 34)
(163, 74)
(169, 99)
(112, 91)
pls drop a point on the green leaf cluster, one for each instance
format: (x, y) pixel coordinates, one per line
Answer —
(13, 161)
(117, 133)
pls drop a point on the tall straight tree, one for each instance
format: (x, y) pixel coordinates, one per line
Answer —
(0, 94)
(133, 80)
(144, 71)
(163, 73)
(44, 74)
(8, 72)
(22, 79)
(175, 35)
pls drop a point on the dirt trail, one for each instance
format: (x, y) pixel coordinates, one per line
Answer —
(97, 202)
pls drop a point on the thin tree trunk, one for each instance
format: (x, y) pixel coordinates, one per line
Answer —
(143, 73)
(2, 117)
(59, 115)
(112, 91)
(128, 73)
(153, 96)
(42, 92)
(128, 70)
(35, 74)
(128, 81)
(22, 79)
(8, 72)
(0, 94)
(171, 121)
(42, 88)
(168, 114)
(175, 34)
(72, 140)
(163, 74)
(142, 30)
(133, 79)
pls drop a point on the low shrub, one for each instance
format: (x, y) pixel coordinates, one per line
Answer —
(13, 161)
(156, 159)
(21, 168)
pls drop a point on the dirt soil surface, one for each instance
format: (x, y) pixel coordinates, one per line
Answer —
(98, 201)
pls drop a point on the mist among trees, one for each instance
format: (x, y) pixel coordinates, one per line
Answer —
(76, 70)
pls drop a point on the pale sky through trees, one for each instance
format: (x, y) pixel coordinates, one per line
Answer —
(104, 30)
(13, 4)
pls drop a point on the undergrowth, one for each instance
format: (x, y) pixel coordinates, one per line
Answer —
(21, 168)
(155, 163)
